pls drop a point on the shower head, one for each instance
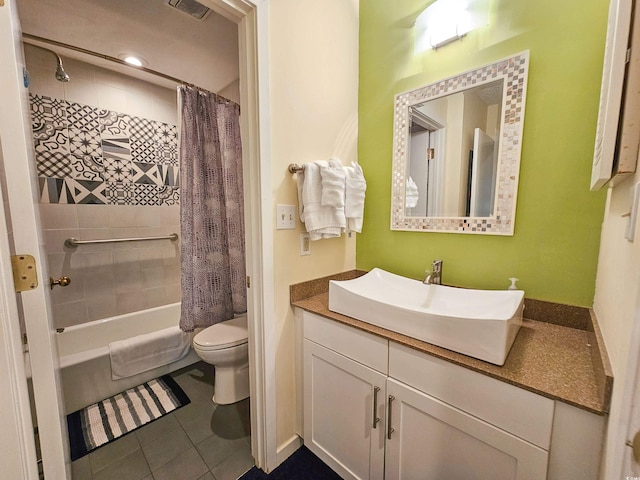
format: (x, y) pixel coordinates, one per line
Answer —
(61, 75)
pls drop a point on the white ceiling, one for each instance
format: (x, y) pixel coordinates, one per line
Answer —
(201, 52)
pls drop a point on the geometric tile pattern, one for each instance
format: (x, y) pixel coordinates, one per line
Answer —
(89, 155)
(513, 72)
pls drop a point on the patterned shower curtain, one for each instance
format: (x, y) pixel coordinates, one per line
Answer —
(211, 210)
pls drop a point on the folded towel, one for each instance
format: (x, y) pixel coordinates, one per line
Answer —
(411, 193)
(333, 184)
(355, 188)
(320, 221)
(144, 352)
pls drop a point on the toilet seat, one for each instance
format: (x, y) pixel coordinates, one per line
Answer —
(223, 335)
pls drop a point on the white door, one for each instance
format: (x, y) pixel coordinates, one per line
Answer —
(15, 135)
(431, 440)
(344, 413)
(630, 413)
(483, 174)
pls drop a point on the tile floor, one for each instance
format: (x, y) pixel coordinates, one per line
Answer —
(201, 441)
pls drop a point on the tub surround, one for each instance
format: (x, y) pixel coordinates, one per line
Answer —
(552, 355)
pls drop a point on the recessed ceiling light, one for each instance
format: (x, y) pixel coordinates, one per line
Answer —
(135, 61)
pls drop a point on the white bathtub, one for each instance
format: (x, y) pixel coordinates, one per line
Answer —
(85, 366)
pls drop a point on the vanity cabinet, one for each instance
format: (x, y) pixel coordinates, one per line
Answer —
(376, 409)
(345, 422)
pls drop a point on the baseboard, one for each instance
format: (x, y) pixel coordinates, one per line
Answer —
(287, 448)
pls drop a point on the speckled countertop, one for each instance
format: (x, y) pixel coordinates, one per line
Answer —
(560, 362)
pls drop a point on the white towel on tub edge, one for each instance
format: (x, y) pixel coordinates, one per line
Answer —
(145, 352)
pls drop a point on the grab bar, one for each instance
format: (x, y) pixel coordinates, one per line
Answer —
(74, 242)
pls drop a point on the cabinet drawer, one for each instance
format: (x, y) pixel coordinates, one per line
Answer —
(520, 412)
(363, 347)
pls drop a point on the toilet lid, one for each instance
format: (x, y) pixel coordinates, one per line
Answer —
(223, 335)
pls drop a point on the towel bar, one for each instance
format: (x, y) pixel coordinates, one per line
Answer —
(295, 168)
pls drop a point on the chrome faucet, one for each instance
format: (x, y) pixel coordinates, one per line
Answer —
(434, 277)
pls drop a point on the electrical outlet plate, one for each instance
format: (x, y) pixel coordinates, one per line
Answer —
(285, 217)
(305, 244)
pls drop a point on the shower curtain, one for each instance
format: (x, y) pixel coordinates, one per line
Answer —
(211, 210)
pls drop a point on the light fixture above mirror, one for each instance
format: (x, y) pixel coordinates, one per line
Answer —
(445, 21)
(456, 154)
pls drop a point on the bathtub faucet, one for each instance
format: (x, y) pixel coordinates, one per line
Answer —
(434, 277)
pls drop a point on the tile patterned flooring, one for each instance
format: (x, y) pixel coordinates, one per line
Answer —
(201, 441)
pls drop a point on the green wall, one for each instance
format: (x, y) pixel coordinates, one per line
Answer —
(557, 227)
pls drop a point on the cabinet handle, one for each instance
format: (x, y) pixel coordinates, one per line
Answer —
(390, 429)
(376, 419)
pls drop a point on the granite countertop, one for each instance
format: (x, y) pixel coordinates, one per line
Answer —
(559, 362)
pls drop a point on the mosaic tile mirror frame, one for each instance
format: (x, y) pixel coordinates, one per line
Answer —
(513, 71)
(88, 155)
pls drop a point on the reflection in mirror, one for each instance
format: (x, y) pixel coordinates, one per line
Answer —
(452, 171)
(457, 151)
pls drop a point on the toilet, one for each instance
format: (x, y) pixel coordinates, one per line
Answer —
(225, 346)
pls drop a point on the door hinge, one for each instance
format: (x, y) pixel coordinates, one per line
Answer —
(25, 275)
(248, 281)
(431, 153)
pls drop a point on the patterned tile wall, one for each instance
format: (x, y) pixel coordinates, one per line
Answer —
(89, 155)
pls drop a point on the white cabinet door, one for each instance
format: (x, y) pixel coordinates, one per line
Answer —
(339, 399)
(432, 440)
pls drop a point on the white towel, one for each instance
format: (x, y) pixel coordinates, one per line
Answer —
(411, 194)
(356, 186)
(320, 221)
(333, 184)
(144, 352)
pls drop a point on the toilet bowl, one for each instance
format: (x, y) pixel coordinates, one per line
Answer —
(225, 346)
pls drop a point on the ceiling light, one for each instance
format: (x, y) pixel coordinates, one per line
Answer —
(135, 61)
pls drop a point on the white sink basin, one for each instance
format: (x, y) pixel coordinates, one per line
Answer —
(480, 323)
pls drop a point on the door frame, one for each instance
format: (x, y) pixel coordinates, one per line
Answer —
(251, 16)
(252, 19)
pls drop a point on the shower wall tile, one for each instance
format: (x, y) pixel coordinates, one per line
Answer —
(128, 302)
(90, 155)
(102, 307)
(86, 167)
(92, 217)
(54, 239)
(58, 216)
(154, 297)
(69, 314)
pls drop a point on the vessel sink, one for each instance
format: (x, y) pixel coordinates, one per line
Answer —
(479, 323)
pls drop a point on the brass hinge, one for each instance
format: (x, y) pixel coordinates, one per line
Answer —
(1, 3)
(25, 276)
(431, 153)
(248, 281)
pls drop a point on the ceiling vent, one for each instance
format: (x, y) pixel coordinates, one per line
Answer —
(190, 7)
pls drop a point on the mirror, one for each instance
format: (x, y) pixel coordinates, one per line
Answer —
(457, 146)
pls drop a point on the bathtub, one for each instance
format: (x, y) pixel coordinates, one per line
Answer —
(85, 366)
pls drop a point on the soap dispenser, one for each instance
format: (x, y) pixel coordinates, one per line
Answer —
(513, 285)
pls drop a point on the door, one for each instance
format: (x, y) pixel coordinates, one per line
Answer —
(21, 195)
(431, 440)
(483, 180)
(344, 413)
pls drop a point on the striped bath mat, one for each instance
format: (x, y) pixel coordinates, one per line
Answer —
(105, 421)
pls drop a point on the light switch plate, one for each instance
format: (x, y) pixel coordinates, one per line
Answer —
(285, 217)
